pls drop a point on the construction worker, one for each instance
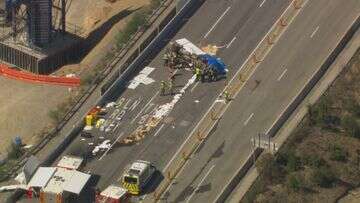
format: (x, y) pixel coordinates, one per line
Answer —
(171, 87)
(211, 74)
(227, 96)
(162, 87)
(197, 73)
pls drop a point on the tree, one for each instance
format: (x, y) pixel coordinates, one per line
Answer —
(293, 182)
(323, 177)
(267, 165)
(351, 126)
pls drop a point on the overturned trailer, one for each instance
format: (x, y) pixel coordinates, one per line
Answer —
(185, 51)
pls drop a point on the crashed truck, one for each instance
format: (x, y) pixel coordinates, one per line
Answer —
(184, 54)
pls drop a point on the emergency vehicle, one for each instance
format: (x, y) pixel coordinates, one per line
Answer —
(137, 176)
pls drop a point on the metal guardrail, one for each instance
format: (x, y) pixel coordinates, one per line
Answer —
(111, 65)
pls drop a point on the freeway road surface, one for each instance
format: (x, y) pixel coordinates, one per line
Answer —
(298, 54)
(235, 25)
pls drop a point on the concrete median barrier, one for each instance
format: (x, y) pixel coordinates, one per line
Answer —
(207, 123)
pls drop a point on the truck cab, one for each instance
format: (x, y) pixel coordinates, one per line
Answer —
(137, 176)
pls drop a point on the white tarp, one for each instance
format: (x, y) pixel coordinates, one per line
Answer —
(77, 182)
(190, 47)
(42, 176)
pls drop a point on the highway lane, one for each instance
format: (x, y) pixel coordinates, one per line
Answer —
(295, 58)
(161, 144)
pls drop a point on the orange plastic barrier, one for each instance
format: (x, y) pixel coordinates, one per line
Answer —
(44, 79)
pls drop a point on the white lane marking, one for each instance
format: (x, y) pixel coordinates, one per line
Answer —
(247, 120)
(157, 132)
(233, 39)
(201, 181)
(196, 84)
(265, 36)
(135, 104)
(314, 32)
(262, 3)
(282, 75)
(149, 107)
(218, 20)
(133, 120)
(121, 134)
(127, 103)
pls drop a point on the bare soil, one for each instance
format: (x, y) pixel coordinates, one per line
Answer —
(24, 106)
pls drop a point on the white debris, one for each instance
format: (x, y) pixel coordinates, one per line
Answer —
(88, 128)
(71, 75)
(142, 78)
(12, 187)
(110, 104)
(165, 109)
(220, 101)
(27, 146)
(103, 146)
(20, 178)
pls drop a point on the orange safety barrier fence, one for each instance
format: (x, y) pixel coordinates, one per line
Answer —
(44, 79)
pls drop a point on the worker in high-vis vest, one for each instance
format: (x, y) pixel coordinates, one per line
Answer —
(162, 87)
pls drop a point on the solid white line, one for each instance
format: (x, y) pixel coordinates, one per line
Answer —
(121, 134)
(262, 3)
(218, 20)
(149, 107)
(196, 84)
(233, 39)
(157, 132)
(282, 75)
(133, 120)
(247, 120)
(135, 104)
(127, 103)
(202, 180)
(265, 36)
(312, 34)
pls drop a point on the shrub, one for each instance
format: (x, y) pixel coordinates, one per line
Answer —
(351, 126)
(293, 162)
(337, 153)
(14, 151)
(293, 182)
(267, 165)
(137, 21)
(318, 112)
(155, 4)
(314, 161)
(323, 177)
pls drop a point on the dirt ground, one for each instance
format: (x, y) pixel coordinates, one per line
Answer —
(24, 106)
(97, 12)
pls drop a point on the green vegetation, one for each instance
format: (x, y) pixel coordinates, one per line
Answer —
(323, 177)
(322, 156)
(14, 152)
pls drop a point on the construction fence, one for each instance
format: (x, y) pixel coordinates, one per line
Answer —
(42, 79)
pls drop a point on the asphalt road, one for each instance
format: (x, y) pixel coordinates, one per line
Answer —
(301, 50)
(236, 26)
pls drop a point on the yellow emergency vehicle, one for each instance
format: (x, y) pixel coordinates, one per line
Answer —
(137, 176)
